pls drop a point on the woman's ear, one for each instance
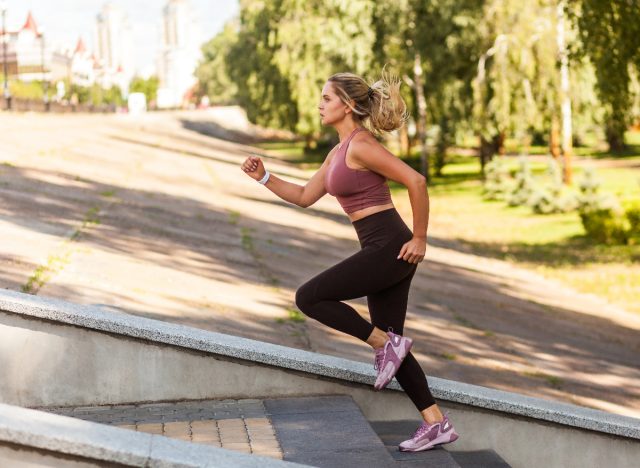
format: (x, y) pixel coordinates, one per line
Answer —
(348, 109)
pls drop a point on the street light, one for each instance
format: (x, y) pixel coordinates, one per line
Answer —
(5, 40)
(45, 83)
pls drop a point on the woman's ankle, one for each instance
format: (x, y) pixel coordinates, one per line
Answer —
(377, 339)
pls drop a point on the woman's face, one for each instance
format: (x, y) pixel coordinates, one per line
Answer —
(332, 109)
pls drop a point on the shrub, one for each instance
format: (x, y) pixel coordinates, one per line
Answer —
(603, 218)
(496, 183)
(554, 198)
(606, 226)
(524, 187)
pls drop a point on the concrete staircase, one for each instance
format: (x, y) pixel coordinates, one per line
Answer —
(285, 406)
(320, 431)
(332, 432)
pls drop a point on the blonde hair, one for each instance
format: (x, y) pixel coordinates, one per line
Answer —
(378, 106)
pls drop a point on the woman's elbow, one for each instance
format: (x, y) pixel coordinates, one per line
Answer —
(419, 180)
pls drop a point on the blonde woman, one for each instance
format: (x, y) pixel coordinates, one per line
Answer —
(355, 172)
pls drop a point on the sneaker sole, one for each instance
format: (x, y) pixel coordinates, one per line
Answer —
(453, 436)
(404, 350)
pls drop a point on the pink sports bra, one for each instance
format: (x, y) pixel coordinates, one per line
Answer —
(355, 189)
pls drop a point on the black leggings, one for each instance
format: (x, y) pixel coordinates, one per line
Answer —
(375, 272)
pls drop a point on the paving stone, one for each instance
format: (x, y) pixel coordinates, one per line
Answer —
(150, 428)
(128, 426)
(265, 445)
(177, 429)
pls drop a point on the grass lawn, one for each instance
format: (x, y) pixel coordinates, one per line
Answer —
(553, 245)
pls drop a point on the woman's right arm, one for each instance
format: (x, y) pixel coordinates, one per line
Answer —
(300, 195)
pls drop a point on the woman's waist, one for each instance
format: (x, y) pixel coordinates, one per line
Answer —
(381, 226)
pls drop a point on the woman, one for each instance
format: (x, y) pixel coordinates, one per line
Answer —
(355, 172)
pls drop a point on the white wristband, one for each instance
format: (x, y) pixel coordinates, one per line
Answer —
(265, 178)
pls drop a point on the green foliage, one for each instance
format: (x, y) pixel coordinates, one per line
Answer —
(605, 226)
(515, 89)
(496, 185)
(523, 187)
(213, 71)
(149, 87)
(285, 50)
(555, 198)
(603, 219)
(610, 38)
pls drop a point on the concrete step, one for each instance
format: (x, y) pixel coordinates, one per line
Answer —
(331, 431)
(393, 432)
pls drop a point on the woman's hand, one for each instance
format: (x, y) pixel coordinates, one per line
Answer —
(414, 250)
(253, 167)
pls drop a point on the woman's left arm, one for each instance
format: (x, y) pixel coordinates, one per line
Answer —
(369, 153)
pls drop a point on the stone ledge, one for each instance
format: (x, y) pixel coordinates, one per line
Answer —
(115, 322)
(61, 434)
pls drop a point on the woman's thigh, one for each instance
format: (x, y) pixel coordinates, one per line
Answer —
(368, 271)
(388, 307)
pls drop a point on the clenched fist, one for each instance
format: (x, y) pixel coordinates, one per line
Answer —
(253, 167)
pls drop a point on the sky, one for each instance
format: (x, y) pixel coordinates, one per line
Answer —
(65, 20)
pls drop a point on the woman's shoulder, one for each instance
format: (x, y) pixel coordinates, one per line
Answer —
(363, 141)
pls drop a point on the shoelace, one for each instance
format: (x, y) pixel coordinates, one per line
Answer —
(421, 430)
(424, 427)
(379, 359)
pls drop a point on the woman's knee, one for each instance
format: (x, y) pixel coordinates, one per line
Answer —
(304, 298)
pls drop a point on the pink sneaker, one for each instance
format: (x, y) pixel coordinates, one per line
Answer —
(429, 435)
(389, 358)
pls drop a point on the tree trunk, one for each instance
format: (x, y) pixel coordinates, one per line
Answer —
(554, 138)
(615, 138)
(422, 116)
(498, 143)
(565, 99)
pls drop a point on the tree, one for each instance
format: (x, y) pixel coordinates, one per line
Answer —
(285, 51)
(213, 72)
(149, 87)
(515, 89)
(610, 38)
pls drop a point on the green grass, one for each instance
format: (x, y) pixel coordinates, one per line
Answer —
(553, 245)
(293, 315)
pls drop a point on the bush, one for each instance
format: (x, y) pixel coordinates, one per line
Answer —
(632, 214)
(553, 198)
(606, 226)
(524, 186)
(496, 183)
(603, 219)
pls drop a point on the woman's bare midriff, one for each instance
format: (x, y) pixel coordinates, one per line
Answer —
(363, 213)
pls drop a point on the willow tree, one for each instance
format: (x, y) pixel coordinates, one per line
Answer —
(285, 51)
(610, 38)
(516, 82)
(315, 39)
(432, 45)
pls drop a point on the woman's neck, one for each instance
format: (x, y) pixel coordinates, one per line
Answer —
(346, 130)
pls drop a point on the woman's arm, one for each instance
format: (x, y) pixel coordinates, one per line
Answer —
(303, 196)
(367, 152)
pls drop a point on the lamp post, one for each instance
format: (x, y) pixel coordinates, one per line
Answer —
(45, 83)
(5, 40)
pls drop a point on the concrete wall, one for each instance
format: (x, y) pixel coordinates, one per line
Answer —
(48, 363)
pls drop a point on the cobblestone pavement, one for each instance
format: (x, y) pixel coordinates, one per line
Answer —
(241, 425)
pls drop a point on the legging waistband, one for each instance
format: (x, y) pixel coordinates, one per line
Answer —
(380, 227)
